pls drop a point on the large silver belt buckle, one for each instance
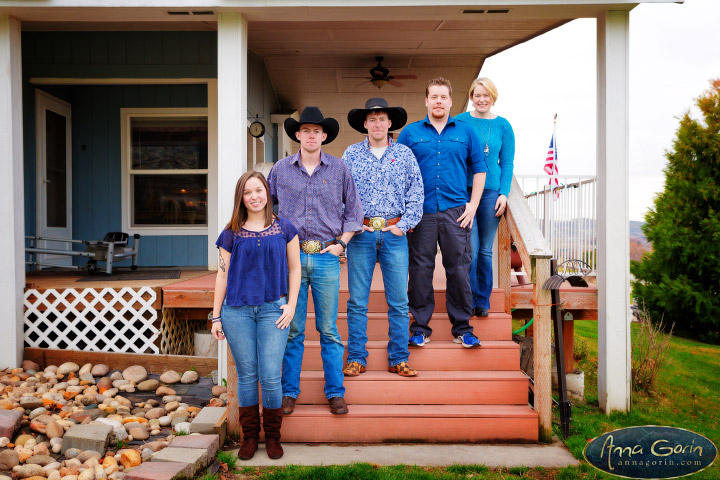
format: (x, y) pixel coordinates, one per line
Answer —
(377, 223)
(311, 246)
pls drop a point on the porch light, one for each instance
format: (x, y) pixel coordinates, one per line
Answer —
(379, 82)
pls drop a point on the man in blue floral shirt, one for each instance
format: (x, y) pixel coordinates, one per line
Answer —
(390, 186)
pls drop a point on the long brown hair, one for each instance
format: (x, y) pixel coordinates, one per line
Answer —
(240, 213)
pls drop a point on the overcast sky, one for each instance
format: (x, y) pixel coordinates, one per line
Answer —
(674, 52)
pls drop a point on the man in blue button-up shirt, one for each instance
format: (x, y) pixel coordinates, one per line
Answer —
(389, 183)
(444, 149)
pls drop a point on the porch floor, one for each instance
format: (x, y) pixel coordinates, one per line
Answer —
(44, 279)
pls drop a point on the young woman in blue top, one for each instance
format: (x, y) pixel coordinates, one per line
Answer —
(498, 144)
(256, 292)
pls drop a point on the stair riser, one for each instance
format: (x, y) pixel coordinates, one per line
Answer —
(454, 358)
(378, 303)
(487, 328)
(343, 428)
(411, 392)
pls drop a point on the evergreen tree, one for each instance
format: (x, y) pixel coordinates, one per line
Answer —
(679, 281)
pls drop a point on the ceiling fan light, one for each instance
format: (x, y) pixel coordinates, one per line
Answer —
(379, 82)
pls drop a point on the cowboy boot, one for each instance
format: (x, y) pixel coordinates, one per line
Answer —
(272, 421)
(250, 423)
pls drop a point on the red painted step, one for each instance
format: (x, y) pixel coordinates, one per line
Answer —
(497, 326)
(437, 355)
(428, 388)
(412, 423)
(378, 303)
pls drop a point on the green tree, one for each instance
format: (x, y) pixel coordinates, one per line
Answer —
(680, 279)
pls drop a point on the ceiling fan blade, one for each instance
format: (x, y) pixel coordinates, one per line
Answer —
(395, 83)
(365, 77)
(363, 83)
(405, 77)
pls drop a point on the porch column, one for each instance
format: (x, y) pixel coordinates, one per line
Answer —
(12, 242)
(612, 212)
(231, 128)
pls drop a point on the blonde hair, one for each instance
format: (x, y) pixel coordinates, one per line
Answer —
(489, 86)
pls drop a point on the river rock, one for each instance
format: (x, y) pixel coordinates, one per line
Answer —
(30, 403)
(41, 449)
(155, 413)
(190, 376)
(87, 368)
(87, 474)
(139, 433)
(218, 390)
(54, 430)
(171, 376)
(67, 367)
(37, 412)
(135, 374)
(182, 427)
(171, 398)
(86, 455)
(100, 370)
(130, 458)
(148, 385)
(21, 440)
(39, 423)
(27, 471)
(8, 459)
(30, 365)
(41, 460)
(165, 420)
(163, 391)
(170, 406)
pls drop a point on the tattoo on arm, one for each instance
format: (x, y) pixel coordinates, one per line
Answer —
(222, 263)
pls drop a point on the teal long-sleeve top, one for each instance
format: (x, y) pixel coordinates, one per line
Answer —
(501, 142)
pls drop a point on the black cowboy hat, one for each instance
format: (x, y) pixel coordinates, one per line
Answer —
(357, 116)
(313, 116)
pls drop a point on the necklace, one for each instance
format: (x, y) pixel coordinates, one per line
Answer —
(486, 150)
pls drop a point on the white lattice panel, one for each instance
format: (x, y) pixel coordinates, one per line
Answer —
(106, 320)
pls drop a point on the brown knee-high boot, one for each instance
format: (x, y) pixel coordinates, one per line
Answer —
(272, 421)
(250, 423)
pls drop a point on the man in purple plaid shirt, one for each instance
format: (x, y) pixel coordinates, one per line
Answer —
(316, 192)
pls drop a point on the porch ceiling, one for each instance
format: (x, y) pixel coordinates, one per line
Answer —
(318, 56)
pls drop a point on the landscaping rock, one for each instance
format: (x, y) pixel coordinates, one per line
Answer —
(148, 385)
(67, 367)
(163, 391)
(130, 458)
(27, 471)
(30, 365)
(31, 403)
(135, 374)
(139, 433)
(218, 390)
(100, 370)
(191, 376)
(41, 460)
(171, 376)
(54, 430)
(8, 459)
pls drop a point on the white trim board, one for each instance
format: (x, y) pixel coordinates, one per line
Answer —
(119, 81)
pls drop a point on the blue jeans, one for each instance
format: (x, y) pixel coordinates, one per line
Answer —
(392, 252)
(257, 346)
(321, 272)
(481, 241)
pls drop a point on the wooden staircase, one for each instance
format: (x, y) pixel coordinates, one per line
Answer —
(459, 395)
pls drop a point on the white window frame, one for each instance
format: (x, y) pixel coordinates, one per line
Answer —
(126, 114)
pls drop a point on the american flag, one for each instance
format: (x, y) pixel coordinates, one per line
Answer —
(551, 164)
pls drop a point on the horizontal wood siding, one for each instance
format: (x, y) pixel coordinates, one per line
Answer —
(96, 118)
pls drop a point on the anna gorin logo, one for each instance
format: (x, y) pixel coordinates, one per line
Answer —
(651, 452)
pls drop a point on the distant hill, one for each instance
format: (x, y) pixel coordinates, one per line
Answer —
(638, 241)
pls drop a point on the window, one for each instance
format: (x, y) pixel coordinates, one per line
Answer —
(165, 179)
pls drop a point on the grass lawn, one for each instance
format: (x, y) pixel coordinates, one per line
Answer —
(686, 395)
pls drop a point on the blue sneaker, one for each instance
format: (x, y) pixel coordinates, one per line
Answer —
(418, 339)
(468, 340)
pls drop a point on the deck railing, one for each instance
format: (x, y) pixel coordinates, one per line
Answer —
(519, 224)
(567, 219)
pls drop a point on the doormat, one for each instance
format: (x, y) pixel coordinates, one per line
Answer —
(131, 275)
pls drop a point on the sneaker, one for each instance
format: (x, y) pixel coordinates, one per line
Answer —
(468, 340)
(418, 339)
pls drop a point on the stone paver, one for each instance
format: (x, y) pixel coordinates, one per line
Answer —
(196, 459)
(87, 437)
(211, 443)
(157, 471)
(9, 422)
(207, 420)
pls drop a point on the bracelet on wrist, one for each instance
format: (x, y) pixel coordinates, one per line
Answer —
(217, 321)
(216, 318)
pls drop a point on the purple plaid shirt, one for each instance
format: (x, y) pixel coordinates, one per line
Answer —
(322, 205)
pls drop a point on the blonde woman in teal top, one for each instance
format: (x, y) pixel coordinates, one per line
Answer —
(498, 143)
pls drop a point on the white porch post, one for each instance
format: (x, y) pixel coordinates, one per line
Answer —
(12, 242)
(232, 124)
(613, 215)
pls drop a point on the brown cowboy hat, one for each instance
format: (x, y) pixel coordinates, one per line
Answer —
(357, 116)
(313, 116)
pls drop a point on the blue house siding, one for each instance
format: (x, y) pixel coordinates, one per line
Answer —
(96, 118)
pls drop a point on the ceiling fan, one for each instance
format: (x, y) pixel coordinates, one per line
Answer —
(380, 75)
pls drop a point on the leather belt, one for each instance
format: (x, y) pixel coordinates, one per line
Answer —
(379, 222)
(315, 246)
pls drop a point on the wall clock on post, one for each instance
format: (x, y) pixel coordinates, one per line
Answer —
(257, 129)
